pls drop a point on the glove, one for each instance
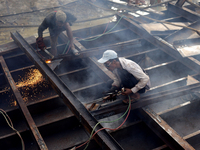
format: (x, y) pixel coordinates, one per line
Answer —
(40, 43)
(75, 52)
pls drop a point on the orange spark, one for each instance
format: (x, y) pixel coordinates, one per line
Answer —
(48, 61)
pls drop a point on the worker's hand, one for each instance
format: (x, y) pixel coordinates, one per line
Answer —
(126, 91)
(40, 43)
(75, 51)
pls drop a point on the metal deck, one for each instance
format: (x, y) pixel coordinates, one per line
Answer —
(47, 107)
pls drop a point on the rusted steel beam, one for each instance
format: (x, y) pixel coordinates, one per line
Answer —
(155, 5)
(184, 12)
(156, 66)
(118, 107)
(102, 71)
(160, 43)
(99, 50)
(163, 130)
(173, 18)
(193, 4)
(86, 87)
(9, 47)
(120, 6)
(65, 73)
(192, 138)
(3, 91)
(103, 138)
(28, 67)
(117, 46)
(23, 107)
(183, 33)
(160, 147)
(180, 3)
(98, 35)
(91, 30)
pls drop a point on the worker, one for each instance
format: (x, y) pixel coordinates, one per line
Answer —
(57, 22)
(128, 75)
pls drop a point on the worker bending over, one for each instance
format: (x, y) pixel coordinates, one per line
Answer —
(56, 22)
(128, 74)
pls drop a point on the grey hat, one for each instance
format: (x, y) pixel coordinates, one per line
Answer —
(61, 16)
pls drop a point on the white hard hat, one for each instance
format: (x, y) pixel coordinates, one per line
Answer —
(107, 55)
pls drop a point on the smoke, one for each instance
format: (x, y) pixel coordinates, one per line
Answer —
(86, 84)
(161, 67)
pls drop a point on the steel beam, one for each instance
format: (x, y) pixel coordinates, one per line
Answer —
(118, 106)
(184, 12)
(185, 32)
(192, 138)
(102, 71)
(22, 106)
(99, 50)
(160, 43)
(180, 3)
(99, 35)
(163, 130)
(103, 138)
(9, 47)
(193, 4)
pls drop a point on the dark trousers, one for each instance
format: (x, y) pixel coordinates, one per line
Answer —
(54, 33)
(128, 80)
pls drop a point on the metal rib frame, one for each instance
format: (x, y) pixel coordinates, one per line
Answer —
(103, 138)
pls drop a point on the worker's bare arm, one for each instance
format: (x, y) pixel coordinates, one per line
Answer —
(69, 34)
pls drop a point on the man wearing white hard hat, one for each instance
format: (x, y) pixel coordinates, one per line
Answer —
(57, 22)
(128, 75)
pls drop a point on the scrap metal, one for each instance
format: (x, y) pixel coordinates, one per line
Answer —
(23, 107)
(86, 119)
(163, 130)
